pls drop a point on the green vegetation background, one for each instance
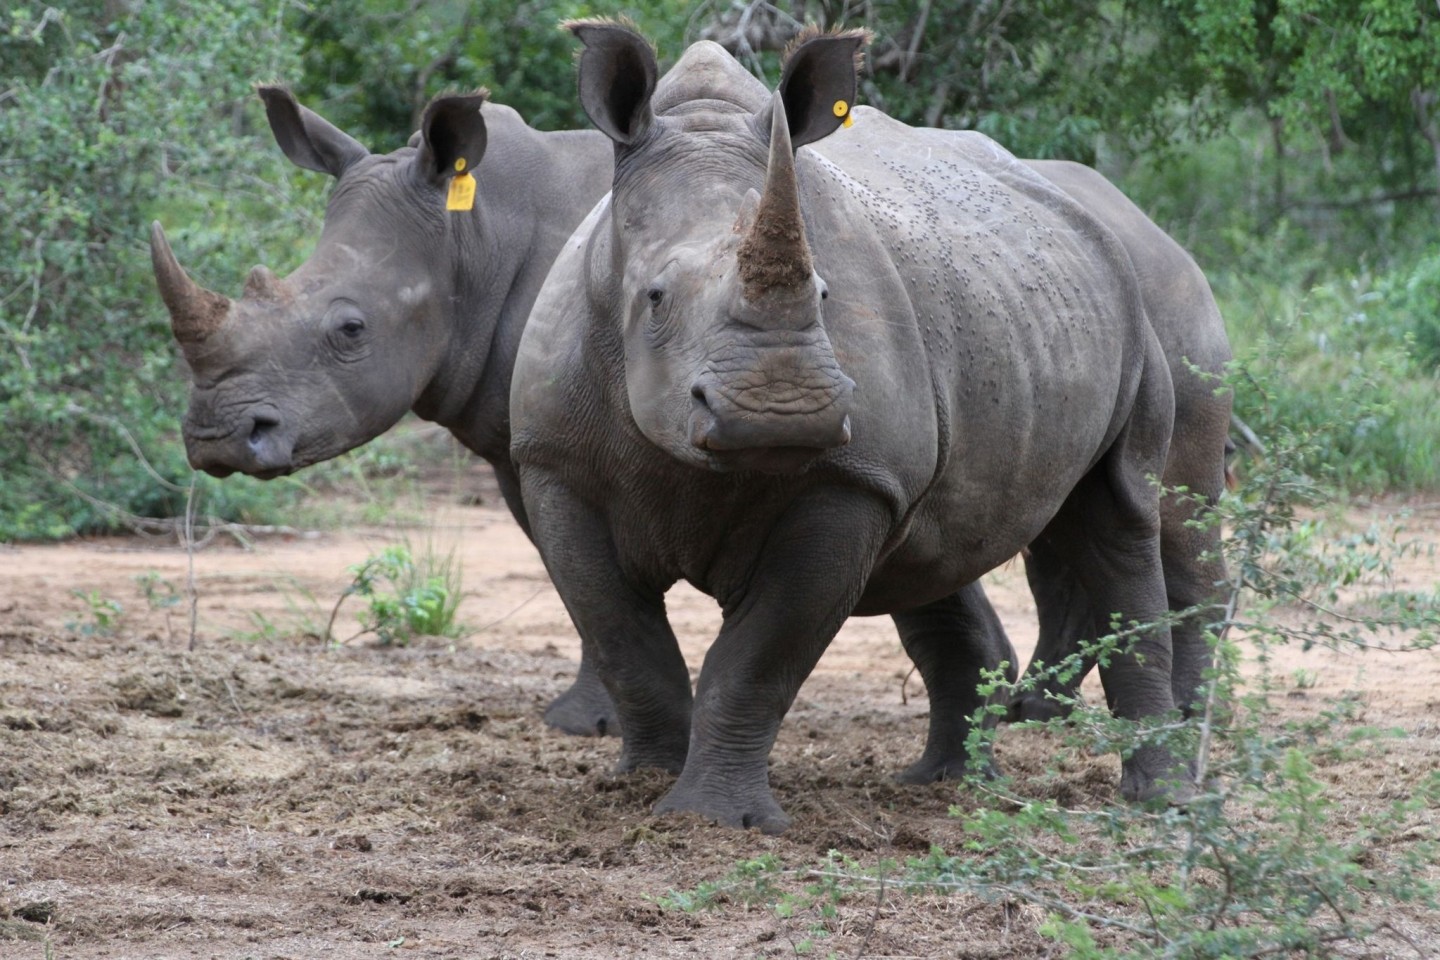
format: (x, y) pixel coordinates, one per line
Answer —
(1293, 147)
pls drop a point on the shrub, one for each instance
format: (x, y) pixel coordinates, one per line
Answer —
(110, 121)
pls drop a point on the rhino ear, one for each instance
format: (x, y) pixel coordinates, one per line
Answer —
(818, 81)
(452, 130)
(617, 77)
(308, 139)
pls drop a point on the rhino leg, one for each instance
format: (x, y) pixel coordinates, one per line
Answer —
(585, 709)
(1194, 569)
(623, 622)
(1108, 532)
(1066, 622)
(951, 641)
(804, 584)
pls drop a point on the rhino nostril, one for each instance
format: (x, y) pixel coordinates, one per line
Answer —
(261, 426)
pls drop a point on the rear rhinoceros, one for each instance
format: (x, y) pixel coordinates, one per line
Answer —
(405, 304)
(845, 382)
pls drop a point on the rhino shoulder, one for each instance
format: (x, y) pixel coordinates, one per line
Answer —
(551, 344)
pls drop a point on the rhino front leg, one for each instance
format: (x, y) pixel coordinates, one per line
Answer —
(952, 641)
(805, 582)
(585, 709)
(635, 653)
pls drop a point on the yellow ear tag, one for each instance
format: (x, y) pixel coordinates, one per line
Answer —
(842, 109)
(462, 189)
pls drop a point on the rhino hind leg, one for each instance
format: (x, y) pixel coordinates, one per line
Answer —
(952, 641)
(1194, 570)
(1067, 622)
(1108, 532)
(585, 709)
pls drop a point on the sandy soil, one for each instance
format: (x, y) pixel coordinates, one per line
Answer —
(264, 796)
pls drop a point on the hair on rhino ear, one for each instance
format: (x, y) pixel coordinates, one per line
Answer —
(452, 135)
(617, 76)
(308, 139)
(819, 78)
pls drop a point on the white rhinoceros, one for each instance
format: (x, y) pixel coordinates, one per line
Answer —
(848, 381)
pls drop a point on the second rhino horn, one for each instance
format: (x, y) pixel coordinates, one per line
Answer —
(262, 284)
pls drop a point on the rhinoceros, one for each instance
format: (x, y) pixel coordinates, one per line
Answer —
(405, 304)
(845, 381)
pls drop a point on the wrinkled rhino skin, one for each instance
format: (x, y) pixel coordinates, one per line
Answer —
(961, 367)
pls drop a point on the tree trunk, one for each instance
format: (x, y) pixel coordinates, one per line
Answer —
(1424, 104)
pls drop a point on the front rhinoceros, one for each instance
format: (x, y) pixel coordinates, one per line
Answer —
(851, 380)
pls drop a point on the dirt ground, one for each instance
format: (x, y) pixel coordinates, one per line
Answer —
(264, 796)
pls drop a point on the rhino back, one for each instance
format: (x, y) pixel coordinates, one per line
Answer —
(1023, 307)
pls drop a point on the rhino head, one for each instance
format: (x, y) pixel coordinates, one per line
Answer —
(727, 362)
(304, 368)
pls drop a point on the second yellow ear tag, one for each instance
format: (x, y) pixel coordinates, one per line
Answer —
(842, 109)
(462, 189)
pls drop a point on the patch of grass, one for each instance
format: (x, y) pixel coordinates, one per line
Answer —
(304, 617)
(407, 595)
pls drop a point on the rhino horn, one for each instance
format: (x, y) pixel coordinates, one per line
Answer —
(774, 254)
(263, 285)
(195, 312)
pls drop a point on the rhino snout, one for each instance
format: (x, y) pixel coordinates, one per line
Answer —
(815, 420)
(259, 446)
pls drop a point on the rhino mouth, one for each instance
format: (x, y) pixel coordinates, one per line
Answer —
(771, 460)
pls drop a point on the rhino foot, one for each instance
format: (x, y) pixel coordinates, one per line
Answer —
(753, 811)
(585, 710)
(1152, 775)
(1034, 705)
(930, 769)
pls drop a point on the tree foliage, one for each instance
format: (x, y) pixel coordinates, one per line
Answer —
(108, 119)
(1311, 123)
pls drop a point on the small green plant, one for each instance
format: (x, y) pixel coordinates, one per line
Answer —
(102, 614)
(159, 593)
(405, 598)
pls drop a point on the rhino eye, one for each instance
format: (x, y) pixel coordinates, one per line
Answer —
(655, 295)
(352, 326)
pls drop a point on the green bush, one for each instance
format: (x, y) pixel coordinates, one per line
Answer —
(108, 123)
(1356, 341)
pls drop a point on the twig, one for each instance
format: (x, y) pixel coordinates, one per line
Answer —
(74, 409)
(904, 699)
(1403, 936)
(874, 920)
(499, 620)
(190, 592)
